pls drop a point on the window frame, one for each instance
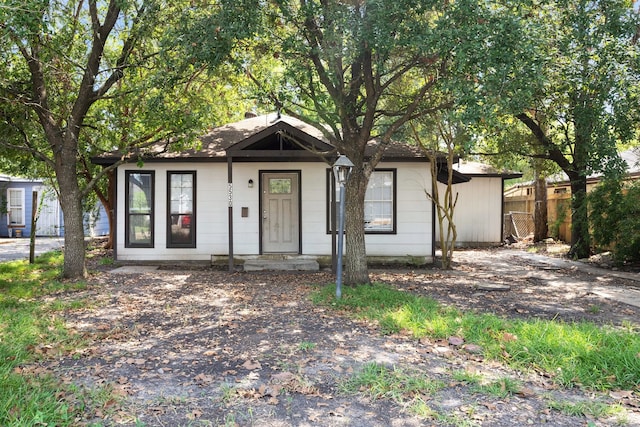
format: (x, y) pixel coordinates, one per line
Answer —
(128, 214)
(332, 187)
(10, 207)
(192, 243)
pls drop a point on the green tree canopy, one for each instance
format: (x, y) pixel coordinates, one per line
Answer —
(584, 102)
(360, 70)
(81, 77)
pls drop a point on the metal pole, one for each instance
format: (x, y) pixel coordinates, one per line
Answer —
(32, 236)
(340, 240)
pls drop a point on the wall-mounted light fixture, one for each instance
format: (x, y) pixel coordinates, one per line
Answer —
(250, 183)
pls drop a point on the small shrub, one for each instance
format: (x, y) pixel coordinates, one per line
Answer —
(615, 219)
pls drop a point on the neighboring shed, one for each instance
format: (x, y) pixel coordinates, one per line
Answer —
(478, 214)
(96, 222)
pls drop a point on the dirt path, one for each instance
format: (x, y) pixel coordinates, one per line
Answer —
(204, 347)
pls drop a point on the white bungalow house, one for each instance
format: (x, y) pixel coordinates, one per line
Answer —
(261, 187)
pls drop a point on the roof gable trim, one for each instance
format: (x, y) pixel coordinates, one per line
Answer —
(307, 144)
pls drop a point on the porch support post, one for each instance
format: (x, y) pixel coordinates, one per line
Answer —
(230, 196)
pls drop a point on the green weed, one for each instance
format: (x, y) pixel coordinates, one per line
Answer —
(591, 408)
(582, 353)
(29, 330)
(381, 382)
(306, 346)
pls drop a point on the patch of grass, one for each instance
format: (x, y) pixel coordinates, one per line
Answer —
(306, 346)
(68, 305)
(30, 330)
(502, 387)
(19, 279)
(381, 382)
(106, 261)
(228, 393)
(466, 377)
(582, 353)
(590, 408)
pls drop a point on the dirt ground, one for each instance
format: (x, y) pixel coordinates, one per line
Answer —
(194, 346)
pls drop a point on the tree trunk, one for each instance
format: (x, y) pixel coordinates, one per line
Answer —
(540, 220)
(580, 240)
(356, 271)
(71, 204)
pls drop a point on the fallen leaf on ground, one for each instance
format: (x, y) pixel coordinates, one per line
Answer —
(196, 413)
(507, 337)
(621, 394)
(250, 365)
(526, 392)
(341, 351)
(490, 406)
(456, 341)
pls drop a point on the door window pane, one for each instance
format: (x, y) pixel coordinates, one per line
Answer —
(279, 186)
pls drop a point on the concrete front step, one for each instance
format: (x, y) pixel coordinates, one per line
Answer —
(281, 265)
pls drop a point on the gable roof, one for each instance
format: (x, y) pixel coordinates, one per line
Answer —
(248, 139)
(276, 137)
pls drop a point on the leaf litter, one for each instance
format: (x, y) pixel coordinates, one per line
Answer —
(184, 345)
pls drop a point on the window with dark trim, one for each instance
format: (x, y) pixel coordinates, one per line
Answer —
(181, 209)
(379, 202)
(139, 209)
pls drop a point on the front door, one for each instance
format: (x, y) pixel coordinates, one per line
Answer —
(280, 212)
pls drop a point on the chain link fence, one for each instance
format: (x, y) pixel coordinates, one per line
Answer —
(518, 225)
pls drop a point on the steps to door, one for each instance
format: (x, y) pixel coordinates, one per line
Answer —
(281, 265)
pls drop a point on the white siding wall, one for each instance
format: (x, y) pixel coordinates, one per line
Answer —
(413, 238)
(478, 213)
(414, 233)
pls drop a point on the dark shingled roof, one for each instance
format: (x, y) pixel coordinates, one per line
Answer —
(215, 143)
(245, 141)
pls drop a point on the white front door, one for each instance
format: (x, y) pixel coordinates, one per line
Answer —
(280, 212)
